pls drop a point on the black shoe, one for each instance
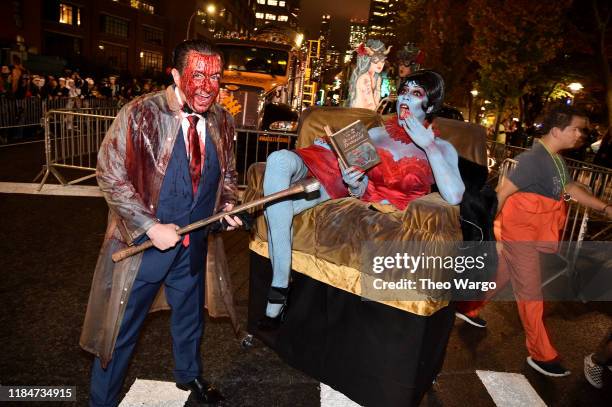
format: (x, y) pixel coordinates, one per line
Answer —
(203, 391)
(553, 369)
(476, 321)
(276, 295)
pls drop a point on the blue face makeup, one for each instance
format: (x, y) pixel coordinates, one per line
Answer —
(411, 101)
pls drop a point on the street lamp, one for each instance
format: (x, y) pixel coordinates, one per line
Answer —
(211, 9)
(575, 87)
(197, 12)
(474, 93)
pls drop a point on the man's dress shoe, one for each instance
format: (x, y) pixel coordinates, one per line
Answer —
(203, 391)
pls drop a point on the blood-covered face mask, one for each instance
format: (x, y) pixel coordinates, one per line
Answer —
(200, 80)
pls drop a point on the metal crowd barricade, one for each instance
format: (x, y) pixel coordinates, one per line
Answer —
(30, 111)
(72, 140)
(598, 180)
(256, 145)
(73, 137)
(497, 153)
(20, 112)
(78, 103)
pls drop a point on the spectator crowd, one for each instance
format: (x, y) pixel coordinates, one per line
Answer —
(17, 82)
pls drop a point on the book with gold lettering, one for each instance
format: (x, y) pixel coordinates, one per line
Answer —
(353, 146)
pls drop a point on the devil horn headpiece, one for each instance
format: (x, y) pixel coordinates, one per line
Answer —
(363, 50)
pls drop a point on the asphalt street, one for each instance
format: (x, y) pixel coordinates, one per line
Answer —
(49, 247)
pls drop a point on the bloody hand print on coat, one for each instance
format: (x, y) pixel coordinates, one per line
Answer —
(200, 80)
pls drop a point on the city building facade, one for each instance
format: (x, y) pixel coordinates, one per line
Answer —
(325, 33)
(103, 37)
(357, 35)
(383, 18)
(281, 13)
(223, 18)
(333, 59)
(358, 32)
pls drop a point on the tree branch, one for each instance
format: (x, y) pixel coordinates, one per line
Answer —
(596, 13)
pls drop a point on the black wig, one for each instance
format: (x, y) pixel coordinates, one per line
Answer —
(432, 83)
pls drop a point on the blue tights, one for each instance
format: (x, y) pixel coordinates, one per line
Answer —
(283, 168)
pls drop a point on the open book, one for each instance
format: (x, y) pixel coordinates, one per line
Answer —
(353, 146)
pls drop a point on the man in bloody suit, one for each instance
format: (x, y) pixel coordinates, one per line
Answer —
(166, 161)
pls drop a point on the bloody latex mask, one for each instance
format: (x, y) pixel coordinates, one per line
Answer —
(200, 80)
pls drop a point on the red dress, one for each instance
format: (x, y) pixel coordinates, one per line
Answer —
(398, 182)
(323, 164)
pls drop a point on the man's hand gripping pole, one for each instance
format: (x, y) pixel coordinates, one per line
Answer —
(304, 186)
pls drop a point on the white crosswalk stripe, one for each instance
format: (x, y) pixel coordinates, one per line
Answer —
(510, 389)
(152, 393)
(506, 390)
(333, 398)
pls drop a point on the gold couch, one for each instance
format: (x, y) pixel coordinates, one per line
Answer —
(328, 238)
(378, 353)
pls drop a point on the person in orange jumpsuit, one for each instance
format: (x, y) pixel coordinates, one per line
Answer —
(531, 213)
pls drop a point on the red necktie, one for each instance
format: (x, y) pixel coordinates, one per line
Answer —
(195, 162)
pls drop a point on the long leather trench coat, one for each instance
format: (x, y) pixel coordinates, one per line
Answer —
(132, 163)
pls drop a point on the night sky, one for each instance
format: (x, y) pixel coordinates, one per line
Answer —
(341, 12)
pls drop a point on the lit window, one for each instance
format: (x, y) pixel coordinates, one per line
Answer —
(114, 26)
(283, 18)
(272, 2)
(281, 3)
(115, 57)
(78, 16)
(270, 16)
(151, 61)
(261, 1)
(259, 15)
(153, 35)
(65, 16)
(143, 5)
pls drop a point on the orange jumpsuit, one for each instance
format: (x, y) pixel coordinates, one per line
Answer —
(528, 224)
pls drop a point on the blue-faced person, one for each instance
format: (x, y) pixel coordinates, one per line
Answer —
(420, 96)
